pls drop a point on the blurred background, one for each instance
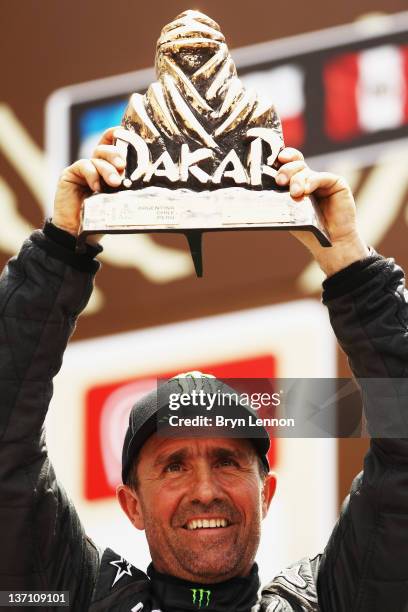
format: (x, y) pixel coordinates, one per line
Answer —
(338, 74)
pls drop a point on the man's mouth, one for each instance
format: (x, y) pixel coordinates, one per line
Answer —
(212, 523)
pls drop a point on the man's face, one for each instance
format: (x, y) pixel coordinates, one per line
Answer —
(201, 502)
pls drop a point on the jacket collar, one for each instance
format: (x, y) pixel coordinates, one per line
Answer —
(176, 595)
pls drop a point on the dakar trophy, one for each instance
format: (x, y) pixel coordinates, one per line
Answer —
(201, 151)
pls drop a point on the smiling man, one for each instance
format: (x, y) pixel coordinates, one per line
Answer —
(200, 500)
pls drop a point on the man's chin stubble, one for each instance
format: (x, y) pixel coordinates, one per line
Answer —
(210, 571)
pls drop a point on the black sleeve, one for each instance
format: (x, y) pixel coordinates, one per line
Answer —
(43, 545)
(365, 564)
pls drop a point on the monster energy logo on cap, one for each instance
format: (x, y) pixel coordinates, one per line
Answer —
(201, 597)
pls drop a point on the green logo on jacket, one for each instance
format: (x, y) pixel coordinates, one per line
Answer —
(201, 597)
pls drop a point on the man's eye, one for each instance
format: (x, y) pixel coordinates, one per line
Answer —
(227, 463)
(173, 467)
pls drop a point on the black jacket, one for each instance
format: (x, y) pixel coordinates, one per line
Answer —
(364, 567)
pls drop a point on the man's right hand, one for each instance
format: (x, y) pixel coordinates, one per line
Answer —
(82, 178)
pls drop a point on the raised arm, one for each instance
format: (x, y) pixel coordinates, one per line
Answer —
(365, 564)
(42, 291)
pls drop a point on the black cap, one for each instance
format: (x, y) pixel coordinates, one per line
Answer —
(151, 414)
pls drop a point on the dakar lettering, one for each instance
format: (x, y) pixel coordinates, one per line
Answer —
(188, 161)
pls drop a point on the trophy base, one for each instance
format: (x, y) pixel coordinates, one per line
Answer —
(159, 209)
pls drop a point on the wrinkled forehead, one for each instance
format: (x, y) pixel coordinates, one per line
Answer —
(159, 449)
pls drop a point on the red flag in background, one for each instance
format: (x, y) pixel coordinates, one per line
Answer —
(366, 92)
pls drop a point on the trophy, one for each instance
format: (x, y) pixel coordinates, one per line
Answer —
(201, 151)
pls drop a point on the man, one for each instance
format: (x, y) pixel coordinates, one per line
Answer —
(199, 494)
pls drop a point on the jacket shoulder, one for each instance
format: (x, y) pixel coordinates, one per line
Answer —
(293, 589)
(117, 583)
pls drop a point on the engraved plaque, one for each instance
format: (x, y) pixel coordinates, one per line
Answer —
(201, 150)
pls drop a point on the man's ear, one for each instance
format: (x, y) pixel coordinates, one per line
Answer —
(131, 506)
(268, 491)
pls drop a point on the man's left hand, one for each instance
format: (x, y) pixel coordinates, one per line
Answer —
(336, 201)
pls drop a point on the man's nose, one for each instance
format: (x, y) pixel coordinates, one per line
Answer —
(205, 487)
